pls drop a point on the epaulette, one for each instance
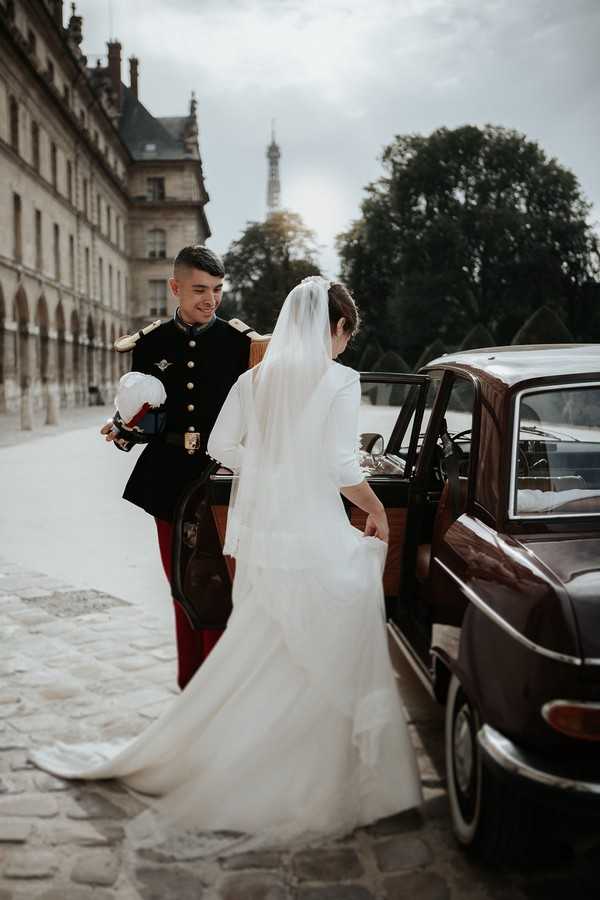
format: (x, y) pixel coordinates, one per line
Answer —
(258, 342)
(128, 341)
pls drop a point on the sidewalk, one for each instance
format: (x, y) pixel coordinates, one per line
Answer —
(69, 419)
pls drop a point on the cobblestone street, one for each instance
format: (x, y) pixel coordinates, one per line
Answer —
(83, 664)
(92, 656)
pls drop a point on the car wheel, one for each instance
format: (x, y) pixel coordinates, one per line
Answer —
(493, 823)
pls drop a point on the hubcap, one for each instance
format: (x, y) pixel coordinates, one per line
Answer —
(463, 750)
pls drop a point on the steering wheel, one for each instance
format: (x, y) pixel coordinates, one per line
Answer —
(460, 434)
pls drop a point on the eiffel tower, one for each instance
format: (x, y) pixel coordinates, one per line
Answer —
(273, 184)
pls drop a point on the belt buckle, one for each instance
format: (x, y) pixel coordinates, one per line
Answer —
(191, 441)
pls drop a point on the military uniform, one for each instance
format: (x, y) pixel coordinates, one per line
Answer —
(197, 365)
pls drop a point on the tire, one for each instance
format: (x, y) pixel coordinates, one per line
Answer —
(489, 821)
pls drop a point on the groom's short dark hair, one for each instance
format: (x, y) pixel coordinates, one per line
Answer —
(197, 256)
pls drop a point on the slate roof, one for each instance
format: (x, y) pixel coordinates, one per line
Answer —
(146, 136)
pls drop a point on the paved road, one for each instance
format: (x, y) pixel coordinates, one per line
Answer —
(82, 660)
(62, 512)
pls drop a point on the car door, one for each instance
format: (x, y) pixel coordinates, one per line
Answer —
(391, 411)
(389, 423)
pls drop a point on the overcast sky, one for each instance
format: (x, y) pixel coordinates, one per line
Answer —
(342, 77)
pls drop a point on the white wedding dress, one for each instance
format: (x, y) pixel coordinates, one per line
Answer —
(292, 728)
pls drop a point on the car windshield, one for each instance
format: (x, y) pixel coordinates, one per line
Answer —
(557, 454)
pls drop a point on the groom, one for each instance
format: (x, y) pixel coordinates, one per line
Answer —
(198, 357)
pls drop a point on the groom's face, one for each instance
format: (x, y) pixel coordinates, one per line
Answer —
(198, 294)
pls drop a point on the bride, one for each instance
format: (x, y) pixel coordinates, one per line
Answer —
(293, 728)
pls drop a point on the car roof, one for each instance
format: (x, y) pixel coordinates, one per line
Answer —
(512, 365)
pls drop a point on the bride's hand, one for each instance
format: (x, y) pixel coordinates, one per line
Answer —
(377, 526)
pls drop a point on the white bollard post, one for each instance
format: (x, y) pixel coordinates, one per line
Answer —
(26, 411)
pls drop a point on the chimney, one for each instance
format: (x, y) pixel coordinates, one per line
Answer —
(114, 69)
(133, 75)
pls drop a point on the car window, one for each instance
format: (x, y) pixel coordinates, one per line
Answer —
(556, 456)
(380, 408)
(457, 422)
(386, 419)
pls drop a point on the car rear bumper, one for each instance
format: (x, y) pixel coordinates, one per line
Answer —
(571, 784)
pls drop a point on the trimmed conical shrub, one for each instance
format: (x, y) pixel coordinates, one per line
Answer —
(434, 350)
(390, 361)
(478, 336)
(543, 327)
(369, 356)
(389, 394)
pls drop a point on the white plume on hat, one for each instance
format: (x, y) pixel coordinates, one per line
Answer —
(137, 390)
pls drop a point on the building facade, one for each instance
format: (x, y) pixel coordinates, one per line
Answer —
(96, 197)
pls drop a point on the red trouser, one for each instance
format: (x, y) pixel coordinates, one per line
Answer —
(192, 646)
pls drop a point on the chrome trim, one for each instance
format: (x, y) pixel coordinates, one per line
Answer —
(562, 702)
(511, 759)
(411, 659)
(506, 626)
(512, 515)
(592, 661)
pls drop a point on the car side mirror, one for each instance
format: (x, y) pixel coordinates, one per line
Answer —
(372, 443)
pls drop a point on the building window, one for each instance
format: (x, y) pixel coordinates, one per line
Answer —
(50, 70)
(110, 285)
(158, 298)
(82, 116)
(155, 188)
(56, 252)
(119, 285)
(31, 41)
(53, 166)
(109, 222)
(69, 181)
(96, 137)
(87, 273)
(156, 243)
(35, 146)
(71, 260)
(14, 124)
(101, 278)
(39, 254)
(17, 229)
(67, 94)
(99, 211)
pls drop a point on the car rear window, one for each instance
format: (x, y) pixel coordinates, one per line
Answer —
(556, 460)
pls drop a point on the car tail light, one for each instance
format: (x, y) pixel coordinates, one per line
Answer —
(579, 720)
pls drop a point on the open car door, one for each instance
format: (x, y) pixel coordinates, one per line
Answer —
(389, 425)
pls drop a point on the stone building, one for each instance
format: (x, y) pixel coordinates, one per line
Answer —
(96, 196)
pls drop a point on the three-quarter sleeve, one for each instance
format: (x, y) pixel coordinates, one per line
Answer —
(225, 440)
(344, 421)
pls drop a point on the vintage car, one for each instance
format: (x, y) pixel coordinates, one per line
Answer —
(488, 463)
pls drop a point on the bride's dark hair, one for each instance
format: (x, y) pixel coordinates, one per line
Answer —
(342, 305)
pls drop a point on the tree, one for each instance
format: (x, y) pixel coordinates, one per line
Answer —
(264, 264)
(465, 227)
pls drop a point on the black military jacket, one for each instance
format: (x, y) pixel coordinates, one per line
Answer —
(197, 369)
